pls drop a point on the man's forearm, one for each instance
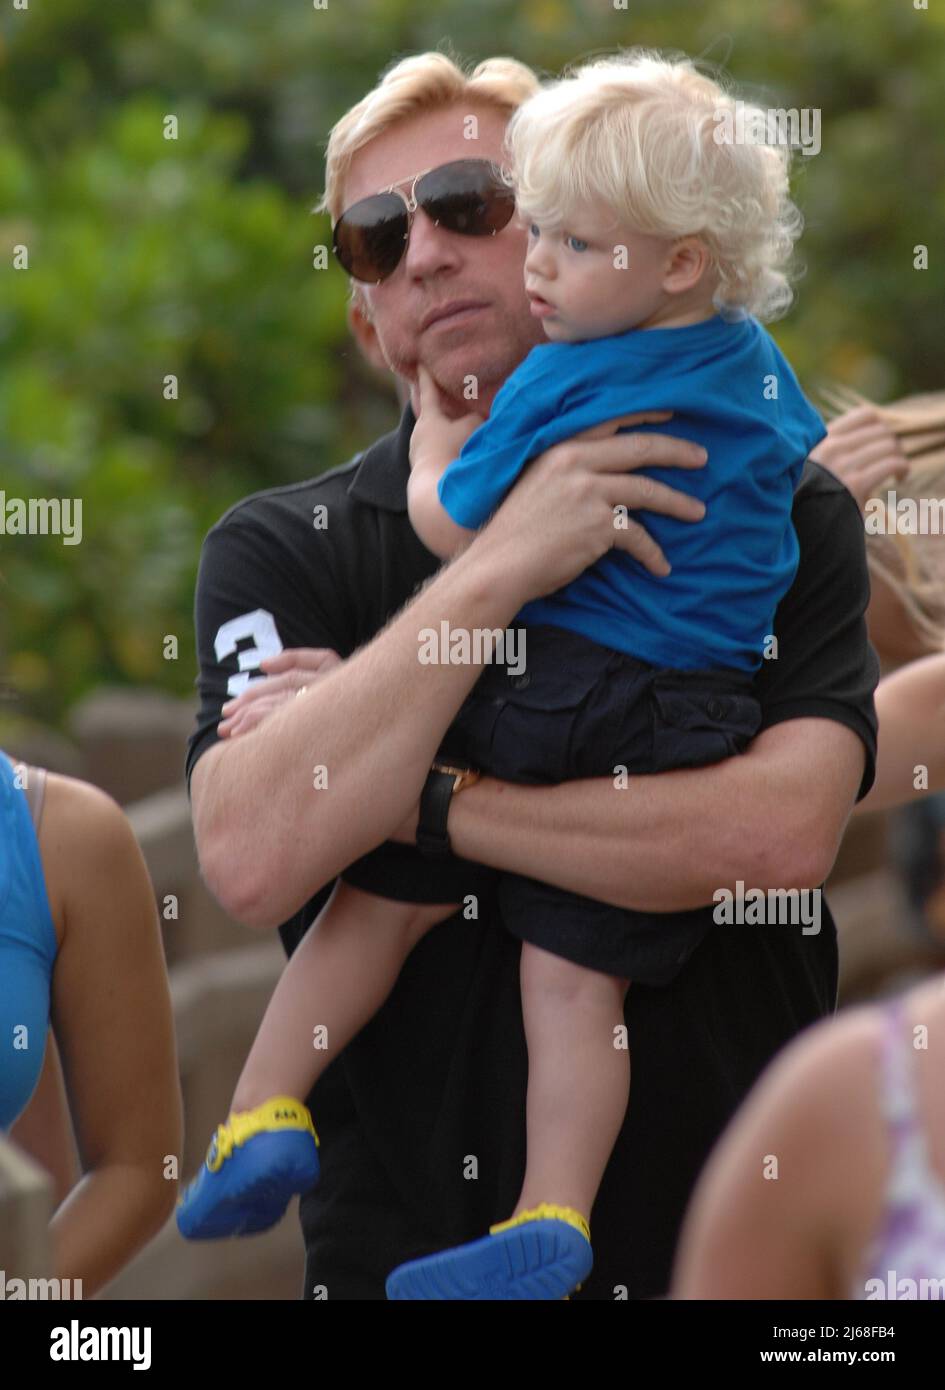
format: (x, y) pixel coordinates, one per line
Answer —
(772, 817)
(268, 834)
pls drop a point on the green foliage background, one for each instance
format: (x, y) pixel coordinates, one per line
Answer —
(194, 257)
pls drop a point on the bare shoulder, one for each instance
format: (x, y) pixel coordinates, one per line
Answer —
(827, 1086)
(825, 1079)
(831, 1073)
(83, 836)
(789, 1174)
(829, 1057)
(92, 820)
(810, 1106)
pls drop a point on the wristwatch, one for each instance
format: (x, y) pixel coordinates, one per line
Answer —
(442, 784)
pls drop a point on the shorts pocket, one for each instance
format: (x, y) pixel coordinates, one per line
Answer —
(536, 712)
(694, 724)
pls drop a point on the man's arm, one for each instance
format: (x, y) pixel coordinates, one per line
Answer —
(772, 816)
(266, 837)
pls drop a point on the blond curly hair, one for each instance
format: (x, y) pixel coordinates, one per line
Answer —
(651, 138)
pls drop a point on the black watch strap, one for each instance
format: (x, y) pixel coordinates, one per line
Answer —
(432, 836)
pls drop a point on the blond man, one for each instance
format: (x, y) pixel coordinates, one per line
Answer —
(422, 1114)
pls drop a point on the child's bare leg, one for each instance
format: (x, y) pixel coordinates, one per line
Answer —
(338, 977)
(578, 1081)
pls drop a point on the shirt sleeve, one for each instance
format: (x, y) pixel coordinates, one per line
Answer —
(251, 602)
(825, 666)
(520, 426)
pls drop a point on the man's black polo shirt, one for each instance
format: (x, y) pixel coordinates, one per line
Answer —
(421, 1119)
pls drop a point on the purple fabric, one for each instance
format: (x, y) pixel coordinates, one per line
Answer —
(907, 1257)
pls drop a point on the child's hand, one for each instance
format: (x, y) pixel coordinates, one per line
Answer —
(436, 439)
(288, 674)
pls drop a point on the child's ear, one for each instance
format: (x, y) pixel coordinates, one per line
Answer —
(688, 261)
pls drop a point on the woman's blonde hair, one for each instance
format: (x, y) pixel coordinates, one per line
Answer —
(912, 566)
(657, 143)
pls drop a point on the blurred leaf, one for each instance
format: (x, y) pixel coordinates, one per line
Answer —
(192, 258)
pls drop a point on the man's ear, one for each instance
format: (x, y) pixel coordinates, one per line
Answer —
(688, 262)
(365, 334)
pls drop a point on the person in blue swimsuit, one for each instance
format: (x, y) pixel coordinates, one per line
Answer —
(28, 941)
(655, 249)
(81, 953)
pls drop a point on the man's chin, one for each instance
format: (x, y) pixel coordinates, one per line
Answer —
(467, 368)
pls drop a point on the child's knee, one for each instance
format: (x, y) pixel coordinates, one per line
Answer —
(544, 970)
(390, 914)
(566, 980)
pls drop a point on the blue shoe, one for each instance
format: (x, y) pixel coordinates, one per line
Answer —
(543, 1253)
(255, 1164)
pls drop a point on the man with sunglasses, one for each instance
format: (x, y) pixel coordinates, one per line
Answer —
(421, 1116)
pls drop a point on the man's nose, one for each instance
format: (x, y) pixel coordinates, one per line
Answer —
(430, 246)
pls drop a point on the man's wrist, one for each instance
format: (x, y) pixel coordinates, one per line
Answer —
(444, 781)
(497, 571)
(468, 813)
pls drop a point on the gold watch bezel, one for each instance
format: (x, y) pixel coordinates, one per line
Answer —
(465, 776)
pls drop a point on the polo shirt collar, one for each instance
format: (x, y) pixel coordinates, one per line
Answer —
(382, 476)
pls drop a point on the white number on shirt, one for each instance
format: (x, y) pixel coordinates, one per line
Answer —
(261, 627)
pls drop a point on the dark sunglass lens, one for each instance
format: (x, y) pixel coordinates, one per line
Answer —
(369, 237)
(468, 197)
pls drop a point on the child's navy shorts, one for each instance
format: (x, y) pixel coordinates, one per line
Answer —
(577, 710)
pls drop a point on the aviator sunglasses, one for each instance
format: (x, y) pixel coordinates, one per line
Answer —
(465, 196)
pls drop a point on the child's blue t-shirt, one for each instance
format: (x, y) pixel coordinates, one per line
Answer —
(731, 390)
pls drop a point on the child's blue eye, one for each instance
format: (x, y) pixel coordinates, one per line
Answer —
(577, 244)
(533, 230)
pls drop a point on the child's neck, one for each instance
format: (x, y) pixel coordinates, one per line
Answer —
(676, 315)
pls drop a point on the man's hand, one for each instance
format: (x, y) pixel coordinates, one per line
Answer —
(436, 440)
(862, 451)
(559, 518)
(287, 674)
